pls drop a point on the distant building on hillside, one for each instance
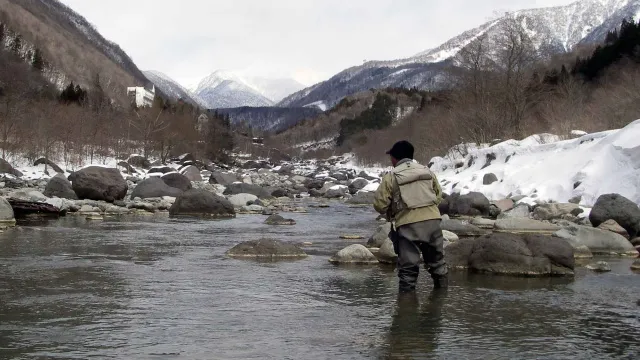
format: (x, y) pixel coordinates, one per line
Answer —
(142, 96)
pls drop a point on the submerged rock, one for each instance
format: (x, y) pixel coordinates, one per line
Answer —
(512, 254)
(201, 203)
(279, 220)
(600, 266)
(354, 254)
(266, 248)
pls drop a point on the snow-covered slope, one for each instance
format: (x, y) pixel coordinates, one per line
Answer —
(172, 89)
(235, 89)
(544, 168)
(552, 30)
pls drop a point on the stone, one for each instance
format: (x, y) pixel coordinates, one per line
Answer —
(600, 266)
(192, 173)
(201, 203)
(354, 254)
(524, 226)
(362, 198)
(581, 252)
(298, 179)
(449, 236)
(239, 200)
(7, 217)
(553, 211)
(471, 204)
(128, 168)
(489, 179)
(279, 220)
(240, 188)
(520, 211)
(512, 254)
(49, 163)
(186, 158)
(278, 193)
(616, 207)
(140, 205)
(614, 227)
(177, 181)
(221, 178)
(357, 185)
(351, 237)
(161, 170)
(381, 234)
(336, 192)
(483, 223)
(28, 195)
(598, 241)
(139, 161)
(635, 241)
(266, 248)
(636, 267)
(154, 187)
(99, 183)
(286, 169)
(339, 176)
(387, 254)
(88, 209)
(314, 184)
(462, 229)
(6, 168)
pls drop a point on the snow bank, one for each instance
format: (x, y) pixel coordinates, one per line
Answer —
(543, 167)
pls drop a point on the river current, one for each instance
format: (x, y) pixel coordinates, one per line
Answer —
(151, 287)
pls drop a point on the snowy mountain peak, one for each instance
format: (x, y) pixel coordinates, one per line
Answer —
(172, 89)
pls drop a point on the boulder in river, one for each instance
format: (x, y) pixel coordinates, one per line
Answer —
(192, 173)
(357, 185)
(512, 254)
(600, 266)
(354, 254)
(201, 203)
(387, 254)
(553, 211)
(613, 226)
(239, 200)
(524, 226)
(462, 229)
(266, 248)
(616, 207)
(99, 183)
(471, 204)
(241, 188)
(362, 198)
(636, 267)
(381, 234)
(154, 187)
(139, 161)
(221, 178)
(598, 241)
(279, 220)
(521, 211)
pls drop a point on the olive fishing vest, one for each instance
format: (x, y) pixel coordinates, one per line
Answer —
(412, 187)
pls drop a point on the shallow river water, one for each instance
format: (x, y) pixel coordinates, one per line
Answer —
(158, 288)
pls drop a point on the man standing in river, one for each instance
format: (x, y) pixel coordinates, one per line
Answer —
(409, 196)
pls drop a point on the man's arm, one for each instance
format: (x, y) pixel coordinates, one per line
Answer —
(382, 199)
(437, 189)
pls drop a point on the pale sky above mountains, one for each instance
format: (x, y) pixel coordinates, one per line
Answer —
(309, 40)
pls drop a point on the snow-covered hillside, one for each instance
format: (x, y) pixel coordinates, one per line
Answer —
(235, 89)
(172, 89)
(552, 30)
(544, 168)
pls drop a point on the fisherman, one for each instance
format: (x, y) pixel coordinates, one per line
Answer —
(409, 196)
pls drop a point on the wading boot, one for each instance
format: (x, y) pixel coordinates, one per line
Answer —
(440, 281)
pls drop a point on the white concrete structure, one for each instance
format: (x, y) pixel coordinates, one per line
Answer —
(142, 96)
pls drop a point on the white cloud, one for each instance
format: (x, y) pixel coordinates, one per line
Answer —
(309, 39)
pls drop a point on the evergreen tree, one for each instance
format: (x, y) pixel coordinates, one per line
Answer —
(3, 34)
(17, 45)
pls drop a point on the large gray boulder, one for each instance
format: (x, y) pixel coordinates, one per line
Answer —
(28, 195)
(242, 188)
(177, 181)
(471, 204)
(354, 254)
(511, 254)
(598, 241)
(154, 187)
(7, 217)
(387, 254)
(378, 238)
(279, 220)
(616, 207)
(362, 198)
(357, 185)
(201, 203)
(336, 192)
(192, 173)
(266, 248)
(58, 186)
(99, 183)
(314, 184)
(520, 211)
(524, 226)
(489, 179)
(6, 168)
(221, 178)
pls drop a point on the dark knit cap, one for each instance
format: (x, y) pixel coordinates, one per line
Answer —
(401, 150)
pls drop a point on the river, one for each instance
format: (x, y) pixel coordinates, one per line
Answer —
(158, 288)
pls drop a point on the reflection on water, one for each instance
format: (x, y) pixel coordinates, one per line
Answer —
(158, 288)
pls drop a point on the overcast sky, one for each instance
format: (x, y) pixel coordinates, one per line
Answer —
(309, 40)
